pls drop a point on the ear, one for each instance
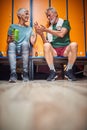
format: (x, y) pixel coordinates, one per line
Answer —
(56, 14)
(19, 15)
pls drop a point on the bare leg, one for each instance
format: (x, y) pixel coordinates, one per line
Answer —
(49, 54)
(71, 53)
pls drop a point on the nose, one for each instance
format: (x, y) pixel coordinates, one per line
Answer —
(48, 17)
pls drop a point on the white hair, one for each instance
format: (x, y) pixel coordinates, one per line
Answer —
(52, 10)
(21, 11)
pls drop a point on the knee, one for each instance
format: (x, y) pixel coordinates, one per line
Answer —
(25, 46)
(74, 45)
(11, 46)
(46, 46)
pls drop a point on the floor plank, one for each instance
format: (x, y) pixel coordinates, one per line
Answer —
(42, 105)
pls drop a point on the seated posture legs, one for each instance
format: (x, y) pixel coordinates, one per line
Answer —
(19, 38)
(57, 43)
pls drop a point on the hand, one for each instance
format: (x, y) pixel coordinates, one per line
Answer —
(43, 28)
(10, 38)
(37, 28)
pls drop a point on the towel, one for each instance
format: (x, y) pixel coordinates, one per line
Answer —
(58, 27)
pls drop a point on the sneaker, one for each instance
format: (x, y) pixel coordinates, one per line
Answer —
(13, 78)
(52, 76)
(25, 77)
(69, 75)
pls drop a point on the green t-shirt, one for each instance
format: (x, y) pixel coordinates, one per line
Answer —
(58, 41)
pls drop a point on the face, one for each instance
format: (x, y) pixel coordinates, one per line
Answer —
(25, 16)
(51, 16)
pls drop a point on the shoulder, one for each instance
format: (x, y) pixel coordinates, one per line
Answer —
(30, 28)
(13, 26)
(66, 24)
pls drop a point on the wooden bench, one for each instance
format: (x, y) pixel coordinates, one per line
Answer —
(40, 60)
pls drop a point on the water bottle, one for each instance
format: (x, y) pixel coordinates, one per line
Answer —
(16, 35)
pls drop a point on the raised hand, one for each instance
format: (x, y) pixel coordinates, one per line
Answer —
(38, 28)
(43, 28)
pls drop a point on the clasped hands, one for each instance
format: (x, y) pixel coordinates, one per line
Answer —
(39, 28)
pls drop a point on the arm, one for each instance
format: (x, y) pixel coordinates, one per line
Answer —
(10, 38)
(33, 38)
(10, 34)
(43, 38)
(60, 33)
(40, 32)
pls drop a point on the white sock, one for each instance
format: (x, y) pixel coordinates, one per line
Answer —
(51, 66)
(69, 66)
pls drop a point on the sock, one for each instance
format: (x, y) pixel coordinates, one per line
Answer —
(69, 66)
(51, 66)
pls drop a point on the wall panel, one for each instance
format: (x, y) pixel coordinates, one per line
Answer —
(75, 15)
(39, 7)
(76, 19)
(86, 21)
(5, 21)
(20, 4)
(60, 6)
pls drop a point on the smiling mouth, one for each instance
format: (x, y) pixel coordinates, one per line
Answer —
(27, 18)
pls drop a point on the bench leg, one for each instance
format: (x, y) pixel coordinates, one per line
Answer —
(62, 71)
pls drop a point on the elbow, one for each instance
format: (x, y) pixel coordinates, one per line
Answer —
(33, 42)
(61, 35)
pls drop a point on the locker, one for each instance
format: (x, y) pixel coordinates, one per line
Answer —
(86, 22)
(39, 7)
(73, 10)
(5, 21)
(76, 18)
(20, 4)
(60, 6)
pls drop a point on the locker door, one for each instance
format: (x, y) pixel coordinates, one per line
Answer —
(86, 21)
(39, 7)
(60, 6)
(5, 21)
(20, 4)
(75, 15)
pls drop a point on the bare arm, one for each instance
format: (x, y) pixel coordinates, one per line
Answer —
(43, 38)
(10, 38)
(40, 32)
(33, 38)
(60, 33)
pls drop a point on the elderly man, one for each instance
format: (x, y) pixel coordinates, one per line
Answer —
(57, 43)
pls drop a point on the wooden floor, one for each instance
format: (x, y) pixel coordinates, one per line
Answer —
(42, 105)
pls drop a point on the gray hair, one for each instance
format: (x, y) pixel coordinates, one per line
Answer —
(52, 10)
(21, 11)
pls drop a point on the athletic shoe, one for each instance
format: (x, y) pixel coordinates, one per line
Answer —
(52, 76)
(69, 75)
(13, 78)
